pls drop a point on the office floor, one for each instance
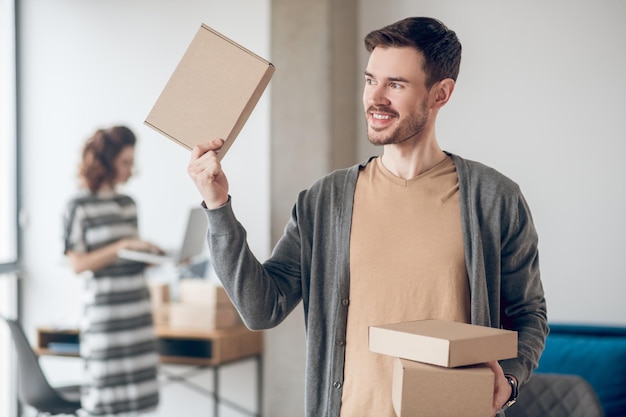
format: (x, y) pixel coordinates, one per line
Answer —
(237, 384)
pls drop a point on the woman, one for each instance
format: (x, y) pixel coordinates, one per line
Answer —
(117, 336)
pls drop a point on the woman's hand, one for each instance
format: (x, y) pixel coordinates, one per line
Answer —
(106, 255)
(139, 245)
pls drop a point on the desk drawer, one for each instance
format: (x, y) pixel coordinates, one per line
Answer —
(52, 341)
(186, 348)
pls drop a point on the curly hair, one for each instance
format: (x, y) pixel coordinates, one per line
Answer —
(97, 167)
(439, 45)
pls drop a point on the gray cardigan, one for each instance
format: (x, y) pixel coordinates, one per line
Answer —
(310, 263)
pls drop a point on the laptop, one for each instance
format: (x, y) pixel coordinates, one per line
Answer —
(193, 243)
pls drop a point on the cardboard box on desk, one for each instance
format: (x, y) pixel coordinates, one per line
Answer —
(161, 314)
(159, 300)
(159, 293)
(443, 343)
(201, 291)
(200, 316)
(422, 390)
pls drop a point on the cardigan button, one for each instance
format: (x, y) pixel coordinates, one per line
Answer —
(337, 384)
(345, 301)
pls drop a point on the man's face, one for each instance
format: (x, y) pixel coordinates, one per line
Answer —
(395, 97)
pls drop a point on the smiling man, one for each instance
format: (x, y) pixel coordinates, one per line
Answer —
(413, 234)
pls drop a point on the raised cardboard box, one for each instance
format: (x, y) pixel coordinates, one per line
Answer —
(421, 390)
(211, 93)
(198, 316)
(443, 343)
(201, 291)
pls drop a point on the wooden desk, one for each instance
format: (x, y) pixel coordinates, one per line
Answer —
(188, 346)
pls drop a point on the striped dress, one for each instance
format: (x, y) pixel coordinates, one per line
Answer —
(117, 340)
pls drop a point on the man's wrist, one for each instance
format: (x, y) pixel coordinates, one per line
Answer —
(514, 391)
(215, 206)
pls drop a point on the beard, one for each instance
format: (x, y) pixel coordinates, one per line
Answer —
(411, 126)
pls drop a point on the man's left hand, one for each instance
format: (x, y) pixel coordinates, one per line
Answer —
(501, 390)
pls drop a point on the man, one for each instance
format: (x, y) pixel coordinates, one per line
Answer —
(416, 233)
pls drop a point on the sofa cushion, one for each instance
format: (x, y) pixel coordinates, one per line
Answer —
(596, 353)
(555, 395)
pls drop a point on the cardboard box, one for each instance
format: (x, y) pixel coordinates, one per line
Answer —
(201, 291)
(443, 343)
(211, 93)
(421, 390)
(159, 293)
(161, 314)
(199, 316)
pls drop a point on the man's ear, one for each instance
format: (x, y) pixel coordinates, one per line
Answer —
(442, 91)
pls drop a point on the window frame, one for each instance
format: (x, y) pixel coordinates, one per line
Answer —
(10, 255)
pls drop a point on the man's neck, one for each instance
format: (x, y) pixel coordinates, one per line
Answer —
(410, 159)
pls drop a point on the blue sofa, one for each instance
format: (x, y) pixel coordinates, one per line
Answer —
(597, 354)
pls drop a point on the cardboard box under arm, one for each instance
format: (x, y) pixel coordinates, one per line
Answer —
(439, 369)
(211, 93)
(421, 390)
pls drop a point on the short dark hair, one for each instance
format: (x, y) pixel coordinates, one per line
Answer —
(438, 44)
(97, 167)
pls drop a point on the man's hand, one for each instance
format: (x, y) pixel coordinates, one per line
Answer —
(206, 172)
(501, 389)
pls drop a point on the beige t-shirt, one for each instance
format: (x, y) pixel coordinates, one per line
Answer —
(406, 263)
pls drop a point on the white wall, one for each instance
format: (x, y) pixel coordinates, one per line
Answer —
(86, 65)
(541, 97)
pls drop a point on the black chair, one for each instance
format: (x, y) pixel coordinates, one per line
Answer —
(33, 386)
(556, 395)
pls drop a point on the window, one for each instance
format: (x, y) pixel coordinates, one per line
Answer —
(9, 252)
(8, 171)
